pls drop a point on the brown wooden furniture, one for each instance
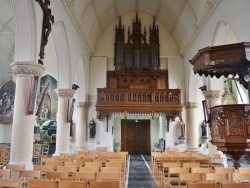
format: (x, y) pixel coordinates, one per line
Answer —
(135, 136)
(138, 86)
(230, 124)
(230, 130)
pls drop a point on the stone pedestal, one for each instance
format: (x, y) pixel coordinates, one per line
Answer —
(63, 126)
(192, 126)
(23, 122)
(81, 125)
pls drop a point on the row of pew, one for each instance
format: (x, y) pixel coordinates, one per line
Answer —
(187, 169)
(70, 170)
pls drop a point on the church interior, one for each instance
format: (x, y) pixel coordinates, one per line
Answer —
(141, 81)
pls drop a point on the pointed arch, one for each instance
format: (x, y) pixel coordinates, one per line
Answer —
(81, 79)
(63, 55)
(25, 30)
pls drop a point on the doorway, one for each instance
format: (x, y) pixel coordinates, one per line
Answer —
(135, 136)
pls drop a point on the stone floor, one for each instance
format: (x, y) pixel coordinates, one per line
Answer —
(139, 174)
(140, 177)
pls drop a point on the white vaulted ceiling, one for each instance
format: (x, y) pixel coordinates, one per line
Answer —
(182, 18)
(7, 35)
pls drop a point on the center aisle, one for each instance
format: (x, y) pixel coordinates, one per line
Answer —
(139, 175)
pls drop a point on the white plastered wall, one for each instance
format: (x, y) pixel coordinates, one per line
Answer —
(97, 79)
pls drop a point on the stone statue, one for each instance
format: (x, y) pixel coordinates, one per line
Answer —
(182, 128)
(71, 129)
(92, 130)
(203, 129)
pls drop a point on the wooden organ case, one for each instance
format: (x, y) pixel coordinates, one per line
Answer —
(138, 85)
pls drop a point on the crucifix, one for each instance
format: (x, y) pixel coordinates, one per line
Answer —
(48, 20)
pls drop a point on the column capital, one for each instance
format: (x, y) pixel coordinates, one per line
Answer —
(83, 104)
(23, 68)
(65, 93)
(191, 105)
(213, 94)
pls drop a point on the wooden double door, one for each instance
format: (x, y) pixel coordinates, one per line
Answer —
(135, 136)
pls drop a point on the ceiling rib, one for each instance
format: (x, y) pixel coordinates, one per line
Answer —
(158, 9)
(5, 25)
(115, 7)
(192, 10)
(97, 17)
(85, 8)
(178, 17)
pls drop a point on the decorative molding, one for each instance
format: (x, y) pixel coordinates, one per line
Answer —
(212, 8)
(27, 69)
(65, 93)
(190, 105)
(213, 94)
(6, 120)
(83, 104)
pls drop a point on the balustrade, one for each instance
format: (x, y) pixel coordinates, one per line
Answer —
(138, 96)
(138, 101)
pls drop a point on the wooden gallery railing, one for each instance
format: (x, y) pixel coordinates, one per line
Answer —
(138, 101)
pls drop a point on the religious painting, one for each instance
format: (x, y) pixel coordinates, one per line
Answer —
(7, 98)
(50, 101)
(45, 111)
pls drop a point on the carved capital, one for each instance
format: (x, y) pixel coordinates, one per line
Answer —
(65, 93)
(189, 105)
(83, 104)
(27, 69)
(213, 94)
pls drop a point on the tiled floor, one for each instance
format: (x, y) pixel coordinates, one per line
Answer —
(139, 175)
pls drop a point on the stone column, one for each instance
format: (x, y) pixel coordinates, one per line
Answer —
(81, 125)
(192, 126)
(23, 123)
(63, 126)
(214, 98)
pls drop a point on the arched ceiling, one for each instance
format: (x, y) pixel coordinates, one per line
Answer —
(182, 18)
(7, 35)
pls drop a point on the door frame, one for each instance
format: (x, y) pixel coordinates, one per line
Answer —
(124, 134)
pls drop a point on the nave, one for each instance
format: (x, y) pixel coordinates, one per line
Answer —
(139, 172)
(96, 169)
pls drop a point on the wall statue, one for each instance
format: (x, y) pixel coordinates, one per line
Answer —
(92, 128)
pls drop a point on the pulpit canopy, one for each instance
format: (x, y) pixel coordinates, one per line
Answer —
(224, 60)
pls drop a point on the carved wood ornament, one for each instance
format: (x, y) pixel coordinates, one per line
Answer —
(138, 86)
(229, 124)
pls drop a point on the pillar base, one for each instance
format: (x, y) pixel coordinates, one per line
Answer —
(193, 149)
(58, 153)
(28, 165)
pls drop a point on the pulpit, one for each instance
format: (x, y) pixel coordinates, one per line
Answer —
(229, 124)
(230, 130)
